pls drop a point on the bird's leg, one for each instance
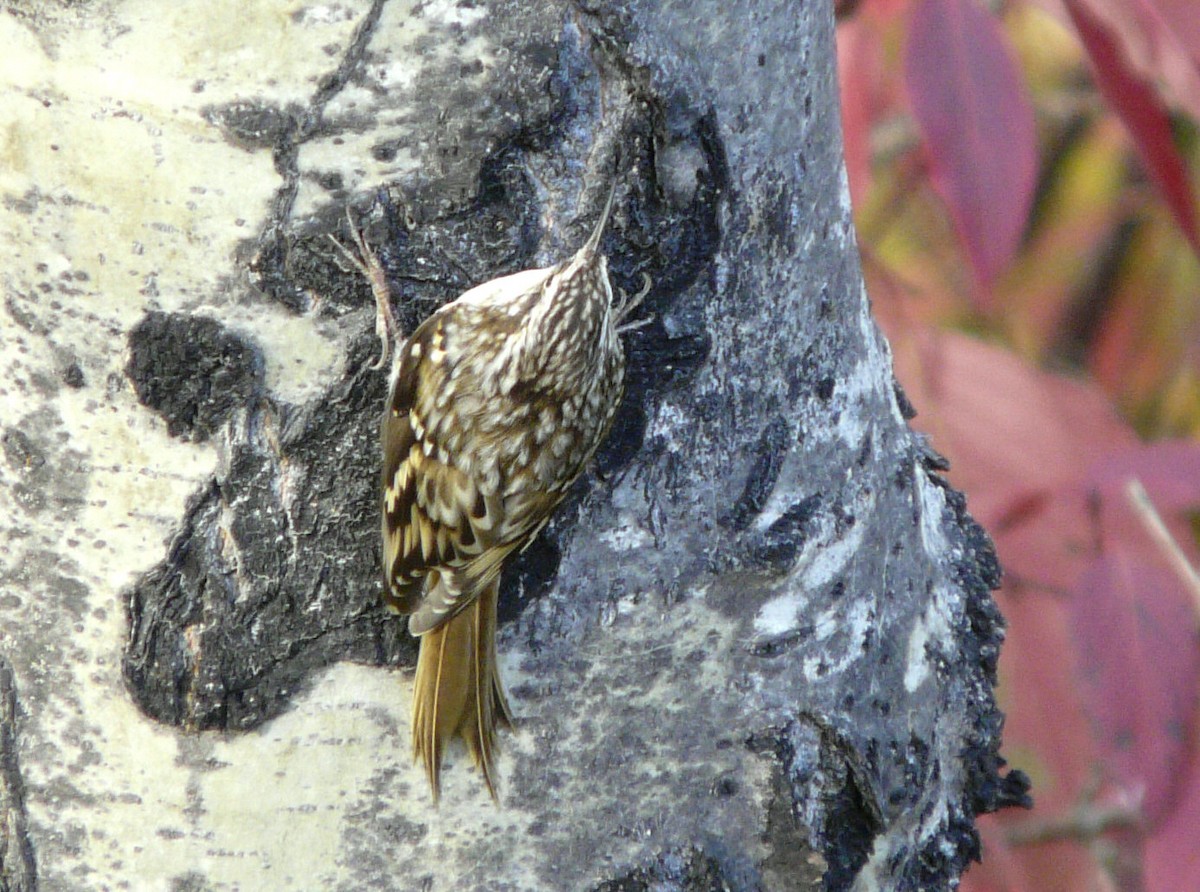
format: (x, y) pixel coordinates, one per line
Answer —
(368, 264)
(630, 304)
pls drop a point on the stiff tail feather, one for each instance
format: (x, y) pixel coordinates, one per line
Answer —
(457, 691)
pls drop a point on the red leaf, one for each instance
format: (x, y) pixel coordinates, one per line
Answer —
(1172, 857)
(977, 124)
(1143, 113)
(1169, 469)
(1160, 40)
(1136, 635)
(1179, 18)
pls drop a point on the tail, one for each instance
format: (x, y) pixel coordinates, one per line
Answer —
(457, 691)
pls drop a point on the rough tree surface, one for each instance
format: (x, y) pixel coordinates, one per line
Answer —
(756, 647)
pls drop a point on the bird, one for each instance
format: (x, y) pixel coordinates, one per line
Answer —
(497, 403)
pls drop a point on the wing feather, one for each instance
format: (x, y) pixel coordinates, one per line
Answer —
(438, 520)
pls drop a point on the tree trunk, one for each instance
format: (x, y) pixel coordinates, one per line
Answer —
(756, 645)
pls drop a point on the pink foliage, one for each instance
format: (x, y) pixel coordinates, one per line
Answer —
(1172, 855)
(1159, 40)
(977, 124)
(1144, 115)
(1139, 666)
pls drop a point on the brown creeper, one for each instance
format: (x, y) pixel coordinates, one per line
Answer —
(497, 403)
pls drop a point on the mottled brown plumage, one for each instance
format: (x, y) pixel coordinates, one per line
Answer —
(497, 403)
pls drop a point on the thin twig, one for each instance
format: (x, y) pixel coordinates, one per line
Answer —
(1152, 521)
(1085, 822)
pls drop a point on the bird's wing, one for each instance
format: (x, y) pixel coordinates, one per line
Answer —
(438, 520)
(424, 527)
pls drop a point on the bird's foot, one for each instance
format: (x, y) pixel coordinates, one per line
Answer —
(628, 305)
(363, 259)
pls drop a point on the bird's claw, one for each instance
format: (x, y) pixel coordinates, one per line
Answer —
(630, 304)
(367, 263)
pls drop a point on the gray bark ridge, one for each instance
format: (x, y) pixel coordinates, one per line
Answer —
(18, 872)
